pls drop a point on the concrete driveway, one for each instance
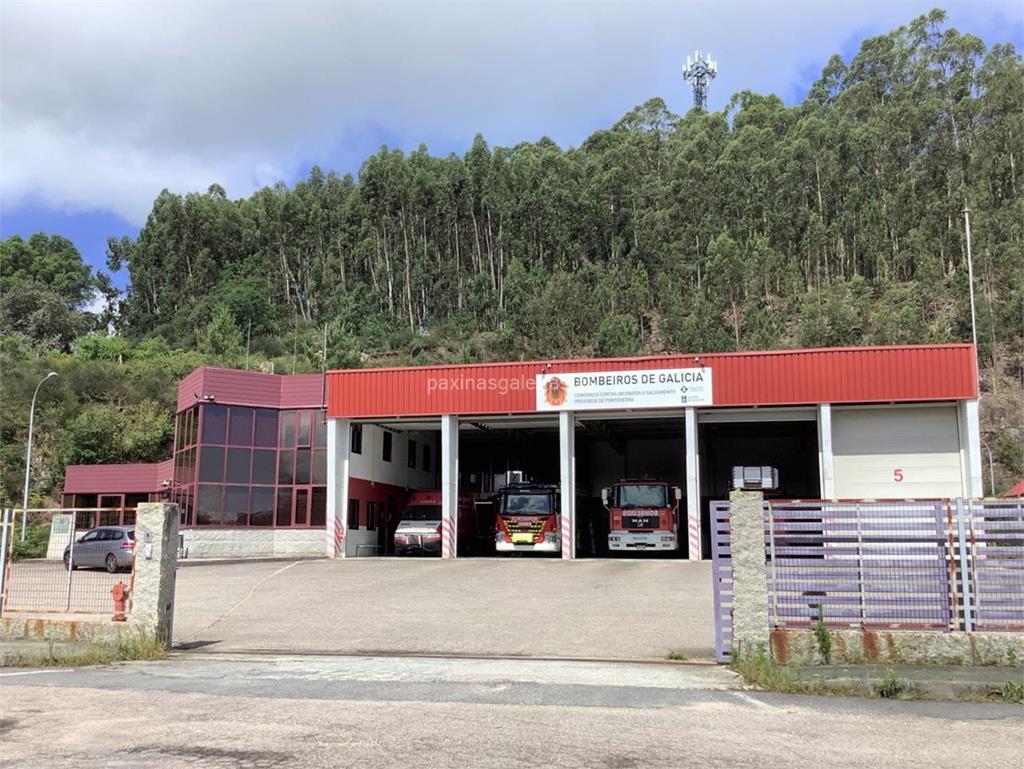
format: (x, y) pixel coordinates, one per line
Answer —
(615, 609)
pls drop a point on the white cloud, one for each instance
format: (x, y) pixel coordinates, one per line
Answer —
(104, 104)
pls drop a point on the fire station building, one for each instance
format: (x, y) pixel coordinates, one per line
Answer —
(267, 464)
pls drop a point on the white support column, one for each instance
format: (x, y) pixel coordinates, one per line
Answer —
(970, 448)
(567, 465)
(449, 485)
(692, 486)
(826, 463)
(339, 442)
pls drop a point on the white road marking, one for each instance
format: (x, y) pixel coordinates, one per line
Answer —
(751, 700)
(31, 673)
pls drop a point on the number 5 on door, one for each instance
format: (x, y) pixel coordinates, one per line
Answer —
(897, 475)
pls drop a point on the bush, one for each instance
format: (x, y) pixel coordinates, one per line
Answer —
(37, 539)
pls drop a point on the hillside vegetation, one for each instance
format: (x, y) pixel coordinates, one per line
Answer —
(838, 221)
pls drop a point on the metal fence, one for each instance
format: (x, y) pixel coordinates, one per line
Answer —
(37, 548)
(940, 565)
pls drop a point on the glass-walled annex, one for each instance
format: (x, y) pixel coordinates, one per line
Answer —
(245, 466)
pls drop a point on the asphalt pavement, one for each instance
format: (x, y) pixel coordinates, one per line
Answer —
(618, 608)
(281, 711)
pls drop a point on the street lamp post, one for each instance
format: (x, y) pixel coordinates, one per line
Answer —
(28, 452)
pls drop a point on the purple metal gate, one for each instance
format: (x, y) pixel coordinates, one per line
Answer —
(721, 578)
(940, 565)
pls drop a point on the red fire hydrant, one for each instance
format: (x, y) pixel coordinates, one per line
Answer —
(120, 593)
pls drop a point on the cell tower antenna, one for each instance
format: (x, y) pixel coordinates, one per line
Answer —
(698, 72)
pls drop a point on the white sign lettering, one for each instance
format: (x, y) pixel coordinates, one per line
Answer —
(645, 389)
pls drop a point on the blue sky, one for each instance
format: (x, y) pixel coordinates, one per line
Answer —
(123, 100)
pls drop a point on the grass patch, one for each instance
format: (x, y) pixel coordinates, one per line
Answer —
(760, 670)
(1012, 691)
(891, 686)
(129, 648)
(675, 655)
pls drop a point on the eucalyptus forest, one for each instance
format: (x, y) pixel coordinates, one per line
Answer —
(836, 221)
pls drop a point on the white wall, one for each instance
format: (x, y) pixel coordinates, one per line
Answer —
(369, 465)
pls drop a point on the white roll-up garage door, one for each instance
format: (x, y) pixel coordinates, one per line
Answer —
(896, 452)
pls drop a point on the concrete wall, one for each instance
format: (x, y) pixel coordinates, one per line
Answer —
(253, 542)
(898, 647)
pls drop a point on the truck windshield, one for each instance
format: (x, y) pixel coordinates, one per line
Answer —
(641, 495)
(422, 513)
(527, 504)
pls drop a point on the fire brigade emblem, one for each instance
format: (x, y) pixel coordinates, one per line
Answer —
(556, 391)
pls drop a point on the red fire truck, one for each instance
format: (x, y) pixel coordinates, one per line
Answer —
(526, 519)
(642, 515)
(419, 531)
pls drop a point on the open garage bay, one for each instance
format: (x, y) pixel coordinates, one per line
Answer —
(611, 609)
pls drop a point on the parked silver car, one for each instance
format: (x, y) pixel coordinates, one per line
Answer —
(108, 547)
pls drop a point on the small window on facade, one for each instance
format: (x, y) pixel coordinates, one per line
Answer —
(426, 458)
(305, 426)
(261, 508)
(302, 466)
(284, 507)
(386, 454)
(412, 453)
(371, 515)
(286, 432)
(319, 429)
(211, 464)
(265, 433)
(353, 514)
(318, 507)
(319, 467)
(240, 429)
(264, 465)
(238, 465)
(286, 468)
(215, 423)
(357, 439)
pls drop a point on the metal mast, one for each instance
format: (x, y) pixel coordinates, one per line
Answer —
(698, 72)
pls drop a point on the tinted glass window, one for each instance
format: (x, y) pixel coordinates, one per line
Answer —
(215, 423)
(284, 507)
(240, 433)
(320, 430)
(301, 504)
(286, 431)
(211, 464)
(286, 468)
(305, 425)
(319, 467)
(261, 507)
(412, 453)
(208, 504)
(264, 466)
(302, 466)
(236, 505)
(238, 465)
(265, 433)
(357, 439)
(318, 507)
(386, 451)
(353, 514)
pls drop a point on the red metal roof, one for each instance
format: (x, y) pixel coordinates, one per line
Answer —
(251, 388)
(772, 378)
